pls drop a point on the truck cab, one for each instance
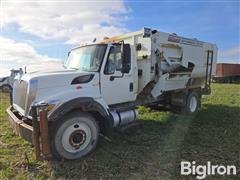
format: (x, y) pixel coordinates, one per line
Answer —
(104, 72)
(113, 67)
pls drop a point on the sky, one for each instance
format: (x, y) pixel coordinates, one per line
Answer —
(40, 33)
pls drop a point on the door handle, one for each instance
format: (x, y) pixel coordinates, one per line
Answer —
(111, 78)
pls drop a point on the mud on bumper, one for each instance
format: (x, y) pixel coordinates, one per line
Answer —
(19, 126)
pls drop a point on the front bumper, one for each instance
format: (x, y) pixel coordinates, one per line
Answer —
(19, 126)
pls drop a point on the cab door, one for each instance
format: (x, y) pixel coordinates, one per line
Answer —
(117, 82)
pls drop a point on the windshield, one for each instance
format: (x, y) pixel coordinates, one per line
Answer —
(87, 58)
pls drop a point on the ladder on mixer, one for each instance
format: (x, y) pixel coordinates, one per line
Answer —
(207, 88)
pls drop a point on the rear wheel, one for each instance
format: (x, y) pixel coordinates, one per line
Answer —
(193, 103)
(75, 135)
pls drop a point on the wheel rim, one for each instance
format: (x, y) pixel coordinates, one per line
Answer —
(193, 104)
(76, 137)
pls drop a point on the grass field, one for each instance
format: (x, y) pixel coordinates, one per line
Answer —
(151, 150)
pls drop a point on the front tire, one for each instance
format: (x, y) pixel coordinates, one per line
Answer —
(74, 136)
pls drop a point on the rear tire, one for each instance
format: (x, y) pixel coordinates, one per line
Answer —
(193, 103)
(74, 136)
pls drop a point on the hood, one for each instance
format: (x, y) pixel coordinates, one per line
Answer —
(50, 71)
(54, 78)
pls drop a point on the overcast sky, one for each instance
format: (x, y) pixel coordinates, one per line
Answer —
(40, 33)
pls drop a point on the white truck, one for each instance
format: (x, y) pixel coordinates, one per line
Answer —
(6, 83)
(101, 85)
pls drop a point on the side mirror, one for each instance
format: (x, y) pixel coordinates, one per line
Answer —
(126, 68)
(126, 58)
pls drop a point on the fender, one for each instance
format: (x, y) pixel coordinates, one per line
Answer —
(85, 104)
(3, 79)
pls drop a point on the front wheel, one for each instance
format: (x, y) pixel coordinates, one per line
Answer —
(74, 136)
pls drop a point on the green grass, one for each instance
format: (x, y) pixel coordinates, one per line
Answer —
(151, 150)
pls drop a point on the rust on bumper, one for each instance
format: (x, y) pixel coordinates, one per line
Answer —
(20, 127)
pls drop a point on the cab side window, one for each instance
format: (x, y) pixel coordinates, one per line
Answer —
(114, 61)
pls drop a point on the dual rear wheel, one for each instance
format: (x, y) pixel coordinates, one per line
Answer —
(193, 103)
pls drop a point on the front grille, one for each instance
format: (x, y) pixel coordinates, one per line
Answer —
(20, 93)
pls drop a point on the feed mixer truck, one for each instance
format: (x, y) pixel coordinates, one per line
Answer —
(101, 84)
